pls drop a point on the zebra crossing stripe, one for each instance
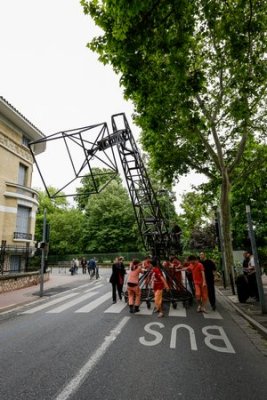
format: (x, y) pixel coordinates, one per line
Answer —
(180, 311)
(144, 310)
(94, 288)
(94, 304)
(49, 304)
(116, 308)
(71, 303)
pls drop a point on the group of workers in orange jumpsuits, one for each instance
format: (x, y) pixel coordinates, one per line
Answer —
(166, 277)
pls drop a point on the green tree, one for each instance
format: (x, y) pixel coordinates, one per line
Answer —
(52, 206)
(250, 188)
(199, 89)
(196, 218)
(110, 221)
(93, 183)
(66, 224)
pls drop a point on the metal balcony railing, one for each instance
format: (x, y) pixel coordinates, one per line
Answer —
(22, 236)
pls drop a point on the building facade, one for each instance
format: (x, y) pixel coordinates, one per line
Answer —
(18, 201)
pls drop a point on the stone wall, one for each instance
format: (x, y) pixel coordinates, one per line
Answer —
(21, 280)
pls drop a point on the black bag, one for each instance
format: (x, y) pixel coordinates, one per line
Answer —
(242, 288)
(130, 284)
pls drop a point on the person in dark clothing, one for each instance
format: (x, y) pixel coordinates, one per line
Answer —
(117, 278)
(176, 233)
(91, 265)
(83, 265)
(251, 276)
(210, 269)
(245, 262)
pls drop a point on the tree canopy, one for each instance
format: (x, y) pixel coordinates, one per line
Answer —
(101, 223)
(196, 72)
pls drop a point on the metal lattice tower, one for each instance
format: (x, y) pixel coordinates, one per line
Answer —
(95, 141)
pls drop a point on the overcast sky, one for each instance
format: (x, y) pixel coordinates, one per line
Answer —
(49, 75)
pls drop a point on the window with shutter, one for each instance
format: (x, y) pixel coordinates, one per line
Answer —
(23, 219)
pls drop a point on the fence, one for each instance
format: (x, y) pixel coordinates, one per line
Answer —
(103, 258)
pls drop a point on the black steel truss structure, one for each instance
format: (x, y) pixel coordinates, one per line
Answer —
(152, 225)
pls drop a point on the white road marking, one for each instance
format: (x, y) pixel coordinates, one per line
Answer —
(71, 303)
(180, 311)
(77, 380)
(116, 308)
(94, 288)
(91, 306)
(49, 303)
(144, 310)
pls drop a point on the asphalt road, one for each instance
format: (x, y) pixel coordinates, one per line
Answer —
(76, 345)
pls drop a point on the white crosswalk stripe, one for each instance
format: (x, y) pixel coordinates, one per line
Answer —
(144, 310)
(116, 308)
(72, 303)
(94, 304)
(49, 304)
(180, 311)
(121, 306)
(94, 288)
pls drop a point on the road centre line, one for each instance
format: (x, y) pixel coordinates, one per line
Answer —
(77, 380)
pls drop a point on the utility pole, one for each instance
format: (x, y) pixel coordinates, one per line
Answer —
(43, 249)
(256, 260)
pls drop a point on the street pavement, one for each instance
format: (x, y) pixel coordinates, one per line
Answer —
(61, 280)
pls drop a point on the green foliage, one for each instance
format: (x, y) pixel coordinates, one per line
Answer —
(92, 184)
(199, 89)
(206, 76)
(110, 221)
(104, 223)
(250, 188)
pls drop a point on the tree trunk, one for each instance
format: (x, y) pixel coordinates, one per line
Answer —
(226, 230)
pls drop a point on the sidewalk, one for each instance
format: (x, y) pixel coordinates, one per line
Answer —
(251, 310)
(59, 281)
(62, 280)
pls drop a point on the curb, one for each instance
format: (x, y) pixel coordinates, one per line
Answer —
(251, 320)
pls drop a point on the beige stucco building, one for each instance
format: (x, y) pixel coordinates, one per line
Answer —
(18, 202)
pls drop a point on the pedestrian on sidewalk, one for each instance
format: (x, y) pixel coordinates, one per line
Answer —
(117, 278)
(72, 266)
(245, 262)
(76, 265)
(210, 270)
(252, 280)
(133, 288)
(83, 265)
(91, 265)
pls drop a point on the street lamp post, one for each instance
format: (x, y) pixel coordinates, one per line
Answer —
(43, 249)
